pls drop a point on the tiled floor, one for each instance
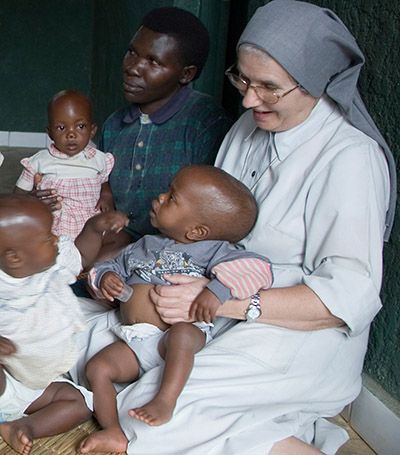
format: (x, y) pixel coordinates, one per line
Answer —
(10, 171)
(355, 445)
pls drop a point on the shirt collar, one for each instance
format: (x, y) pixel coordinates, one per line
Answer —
(287, 141)
(165, 112)
(88, 152)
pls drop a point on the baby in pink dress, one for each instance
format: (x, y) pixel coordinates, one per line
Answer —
(71, 166)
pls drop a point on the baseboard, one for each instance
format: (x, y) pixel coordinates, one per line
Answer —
(30, 140)
(378, 425)
(23, 139)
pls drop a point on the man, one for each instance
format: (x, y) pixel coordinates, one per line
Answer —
(166, 126)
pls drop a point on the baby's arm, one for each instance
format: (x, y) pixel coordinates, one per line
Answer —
(241, 278)
(204, 308)
(89, 241)
(7, 347)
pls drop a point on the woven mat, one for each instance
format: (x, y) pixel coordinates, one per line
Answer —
(62, 444)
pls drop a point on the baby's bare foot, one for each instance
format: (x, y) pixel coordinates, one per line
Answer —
(156, 412)
(111, 440)
(17, 435)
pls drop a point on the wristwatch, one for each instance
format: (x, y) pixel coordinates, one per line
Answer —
(253, 311)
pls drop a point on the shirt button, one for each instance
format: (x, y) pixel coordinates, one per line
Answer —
(253, 173)
(141, 144)
(138, 167)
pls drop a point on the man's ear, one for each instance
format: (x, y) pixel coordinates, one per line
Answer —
(200, 232)
(93, 130)
(189, 72)
(13, 260)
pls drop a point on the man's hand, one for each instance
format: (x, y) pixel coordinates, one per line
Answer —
(205, 306)
(106, 200)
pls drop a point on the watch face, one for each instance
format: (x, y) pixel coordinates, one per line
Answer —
(253, 313)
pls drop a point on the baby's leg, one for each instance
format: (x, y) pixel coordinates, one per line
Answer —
(178, 347)
(115, 363)
(60, 408)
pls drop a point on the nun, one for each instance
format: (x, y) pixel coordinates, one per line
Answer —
(324, 179)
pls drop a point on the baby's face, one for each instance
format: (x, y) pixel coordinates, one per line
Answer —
(174, 213)
(70, 125)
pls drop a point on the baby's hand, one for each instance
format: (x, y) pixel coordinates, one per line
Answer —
(7, 347)
(111, 285)
(204, 306)
(109, 221)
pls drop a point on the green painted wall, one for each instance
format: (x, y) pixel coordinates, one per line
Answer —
(48, 45)
(45, 46)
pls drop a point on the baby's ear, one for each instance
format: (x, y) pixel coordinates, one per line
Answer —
(198, 233)
(93, 130)
(13, 260)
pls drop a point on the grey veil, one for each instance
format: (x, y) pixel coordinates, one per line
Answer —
(318, 51)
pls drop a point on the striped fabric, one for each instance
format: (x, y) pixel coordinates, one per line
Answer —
(244, 277)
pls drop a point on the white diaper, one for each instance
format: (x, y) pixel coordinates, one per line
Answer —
(139, 331)
(144, 338)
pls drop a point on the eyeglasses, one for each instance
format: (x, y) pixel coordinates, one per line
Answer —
(242, 84)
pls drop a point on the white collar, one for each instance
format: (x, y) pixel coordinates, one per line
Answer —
(286, 142)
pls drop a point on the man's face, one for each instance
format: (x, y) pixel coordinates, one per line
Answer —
(152, 73)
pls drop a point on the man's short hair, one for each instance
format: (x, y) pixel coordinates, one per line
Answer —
(188, 31)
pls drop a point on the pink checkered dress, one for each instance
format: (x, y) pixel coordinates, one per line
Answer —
(77, 179)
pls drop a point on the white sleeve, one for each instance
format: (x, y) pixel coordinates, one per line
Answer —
(345, 222)
(69, 255)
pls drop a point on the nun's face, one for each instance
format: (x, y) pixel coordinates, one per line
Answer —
(291, 110)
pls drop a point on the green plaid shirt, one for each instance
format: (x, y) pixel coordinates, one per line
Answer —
(187, 130)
